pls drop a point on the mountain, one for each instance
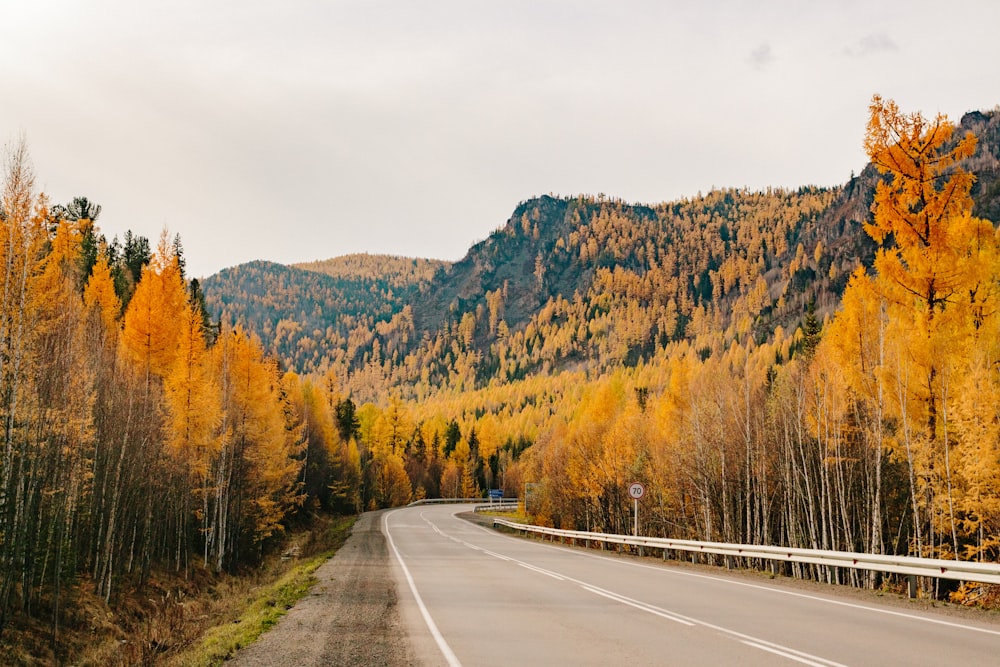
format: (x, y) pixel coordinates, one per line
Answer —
(584, 282)
(396, 272)
(310, 314)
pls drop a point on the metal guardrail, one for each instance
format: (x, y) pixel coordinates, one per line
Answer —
(455, 501)
(985, 573)
(503, 505)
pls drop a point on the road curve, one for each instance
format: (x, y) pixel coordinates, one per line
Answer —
(471, 596)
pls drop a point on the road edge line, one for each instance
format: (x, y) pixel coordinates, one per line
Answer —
(449, 655)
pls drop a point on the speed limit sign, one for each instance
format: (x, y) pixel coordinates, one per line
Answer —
(636, 490)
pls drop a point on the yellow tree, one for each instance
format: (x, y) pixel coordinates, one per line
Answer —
(150, 340)
(119, 464)
(100, 294)
(936, 270)
(59, 442)
(859, 351)
(192, 397)
(923, 210)
(258, 462)
(193, 415)
(32, 296)
(155, 314)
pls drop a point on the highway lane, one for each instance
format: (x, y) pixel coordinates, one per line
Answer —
(471, 596)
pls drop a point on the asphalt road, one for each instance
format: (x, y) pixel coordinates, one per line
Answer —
(471, 596)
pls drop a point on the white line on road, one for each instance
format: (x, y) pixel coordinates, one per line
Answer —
(756, 642)
(540, 570)
(449, 655)
(770, 589)
(785, 654)
(658, 611)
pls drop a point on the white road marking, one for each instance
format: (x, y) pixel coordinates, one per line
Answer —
(785, 654)
(769, 589)
(539, 570)
(449, 655)
(657, 611)
(756, 642)
(681, 573)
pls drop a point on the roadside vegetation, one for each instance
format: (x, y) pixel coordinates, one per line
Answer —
(813, 368)
(201, 620)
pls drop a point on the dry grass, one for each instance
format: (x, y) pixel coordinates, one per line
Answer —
(258, 611)
(517, 517)
(174, 620)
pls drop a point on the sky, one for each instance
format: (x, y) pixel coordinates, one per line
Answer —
(297, 130)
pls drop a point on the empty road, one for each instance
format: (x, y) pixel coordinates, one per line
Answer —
(471, 596)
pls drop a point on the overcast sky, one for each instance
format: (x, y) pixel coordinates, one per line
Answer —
(294, 130)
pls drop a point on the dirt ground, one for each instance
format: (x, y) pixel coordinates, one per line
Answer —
(350, 617)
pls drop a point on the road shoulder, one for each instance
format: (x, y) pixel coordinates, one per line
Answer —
(350, 617)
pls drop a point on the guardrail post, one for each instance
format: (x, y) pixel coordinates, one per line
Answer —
(729, 562)
(911, 586)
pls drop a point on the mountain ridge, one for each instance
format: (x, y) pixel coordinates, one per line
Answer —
(599, 281)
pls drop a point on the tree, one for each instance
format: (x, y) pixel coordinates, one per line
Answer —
(937, 272)
(155, 313)
(196, 298)
(347, 419)
(255, 474)
(82, 208)
(192, 399)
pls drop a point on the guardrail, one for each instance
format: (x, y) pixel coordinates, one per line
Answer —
(455, 501)
(503, 505)
(985, 573)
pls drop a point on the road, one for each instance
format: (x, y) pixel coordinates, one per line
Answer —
(471, 596)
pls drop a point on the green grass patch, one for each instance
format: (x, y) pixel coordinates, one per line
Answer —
(263, 607)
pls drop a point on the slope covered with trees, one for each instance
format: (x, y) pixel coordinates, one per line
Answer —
(315, 315)
(816, 367)
(137, 437)
(807, 367)
(581, 282)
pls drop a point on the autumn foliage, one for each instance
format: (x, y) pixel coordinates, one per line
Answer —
(813, 368)
(137, 434)
(768, 383)
(752, 412)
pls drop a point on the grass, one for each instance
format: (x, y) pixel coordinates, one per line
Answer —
(261, 611)
(517, 517)
(256, 613)
(200, 618)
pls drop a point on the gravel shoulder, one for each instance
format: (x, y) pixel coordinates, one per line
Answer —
(350, 617)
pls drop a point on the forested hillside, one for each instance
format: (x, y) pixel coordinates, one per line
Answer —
(140, 440)
(811, 367)
(312, 316)
(817, 367)
(583, 282)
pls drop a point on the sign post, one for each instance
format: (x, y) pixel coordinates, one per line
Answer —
(637, 491)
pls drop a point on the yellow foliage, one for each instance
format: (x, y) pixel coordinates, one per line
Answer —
(154, 316)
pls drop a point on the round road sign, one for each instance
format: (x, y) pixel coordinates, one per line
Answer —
(636, 490)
